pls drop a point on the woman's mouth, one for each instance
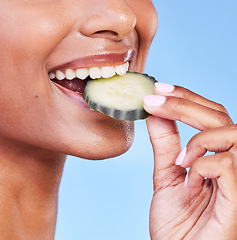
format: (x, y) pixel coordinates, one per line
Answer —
(76, 79)
(74, 75)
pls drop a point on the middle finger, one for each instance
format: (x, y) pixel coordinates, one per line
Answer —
(194, 114)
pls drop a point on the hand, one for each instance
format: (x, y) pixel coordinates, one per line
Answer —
(201, 205)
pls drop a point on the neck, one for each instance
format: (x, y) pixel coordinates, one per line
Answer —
(29, 186)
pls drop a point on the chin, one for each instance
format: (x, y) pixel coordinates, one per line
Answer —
(110, 144)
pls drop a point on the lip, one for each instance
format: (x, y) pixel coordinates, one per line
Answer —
(79, 101)
(106, 59)
(76, 97)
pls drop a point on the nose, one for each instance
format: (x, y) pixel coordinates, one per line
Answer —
(112, 19)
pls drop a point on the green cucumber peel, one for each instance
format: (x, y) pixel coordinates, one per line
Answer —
(120, 97)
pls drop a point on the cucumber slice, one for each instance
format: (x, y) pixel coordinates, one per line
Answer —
(120, 97)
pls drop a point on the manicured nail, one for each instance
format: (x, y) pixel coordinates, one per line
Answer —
(154, 100)
(181, 156)
(186, 180)
(164, 87)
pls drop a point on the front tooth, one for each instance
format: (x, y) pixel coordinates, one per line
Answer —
(107, 72)
(95, 72)
(60, 75)
(82, 73)
(70, 74)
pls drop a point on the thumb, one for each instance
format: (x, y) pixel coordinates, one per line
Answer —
(166, 145)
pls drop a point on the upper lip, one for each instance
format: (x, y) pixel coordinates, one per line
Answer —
(106, 59)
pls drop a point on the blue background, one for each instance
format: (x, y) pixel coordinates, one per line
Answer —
(195, 47)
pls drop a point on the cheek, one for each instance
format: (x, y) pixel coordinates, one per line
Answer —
(29, 31)
(147, 20)
(146, 26)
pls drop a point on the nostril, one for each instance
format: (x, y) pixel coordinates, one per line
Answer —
(106, 34)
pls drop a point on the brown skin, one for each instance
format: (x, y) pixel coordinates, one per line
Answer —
(50, 33)
(198, 209)
(39, 124)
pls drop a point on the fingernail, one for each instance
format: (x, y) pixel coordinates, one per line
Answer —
(154, 100)
(181, 156)
(186, 180)
(164, 87)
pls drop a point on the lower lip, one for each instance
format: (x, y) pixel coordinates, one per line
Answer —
(76, 97)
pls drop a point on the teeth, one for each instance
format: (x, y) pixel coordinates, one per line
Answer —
(52, 75)
(126, 66)
(70, 74)
(93, 72)
(82, 73)
(121, 69)
(60, 75)
(107, 72)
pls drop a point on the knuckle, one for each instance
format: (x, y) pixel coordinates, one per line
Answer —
(221, 108)
(197, 141)
(179, 106)
(176, 107)
(233, 129)
(224, 119)
(228, 161)
(183, 92)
